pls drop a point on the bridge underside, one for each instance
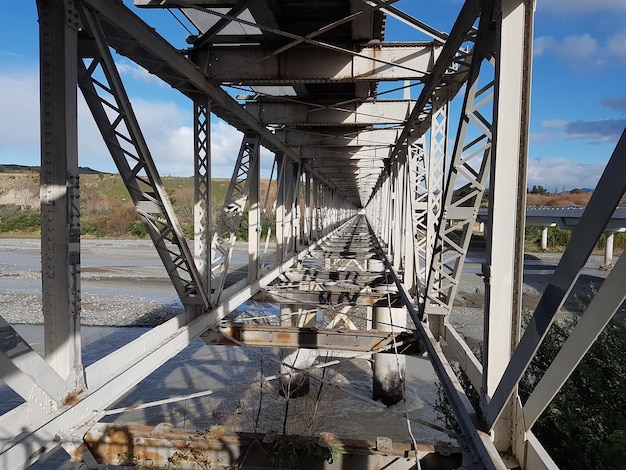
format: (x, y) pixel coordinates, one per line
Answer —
(371, 211)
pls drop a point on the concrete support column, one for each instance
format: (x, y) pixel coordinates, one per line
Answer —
(608, 250)
(389, 368)
(544, 238)
(295, 384)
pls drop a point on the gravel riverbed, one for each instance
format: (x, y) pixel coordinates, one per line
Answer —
(124, 283)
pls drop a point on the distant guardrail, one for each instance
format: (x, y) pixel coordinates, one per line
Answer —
(564, 217)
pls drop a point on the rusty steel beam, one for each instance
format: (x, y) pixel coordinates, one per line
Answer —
(310, 338)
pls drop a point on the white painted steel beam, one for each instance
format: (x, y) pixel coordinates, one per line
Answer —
(334, 138)
(597, 315)
(112, 376)
(507, 200)
(60, 207)
(310, 64)
(202, 191)
(606, 197)
(366, 113)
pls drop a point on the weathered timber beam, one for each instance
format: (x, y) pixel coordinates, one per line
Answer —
(162, 444)
(300, 114)
(310, 338)
(250, 65)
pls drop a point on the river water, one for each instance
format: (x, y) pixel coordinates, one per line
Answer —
(125, 275)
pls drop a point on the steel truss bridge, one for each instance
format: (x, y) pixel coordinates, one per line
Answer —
(368, 193)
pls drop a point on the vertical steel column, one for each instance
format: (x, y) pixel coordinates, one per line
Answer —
(202, 191)
(281, 162)
(232, 212)
(315, 211)
(507, 204)
(421, 244)
(254, 220)
(60, 216)
(307, 209)
(398, 221)
(467, 179)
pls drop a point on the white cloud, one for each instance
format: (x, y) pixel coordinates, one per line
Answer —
(602, 131)
(134, 71)
(616, 46)
(558, 172)
(580, 48)
(553, 124)
(580, 6)
(19, 119)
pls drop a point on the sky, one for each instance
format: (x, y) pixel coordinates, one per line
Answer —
(578, 108)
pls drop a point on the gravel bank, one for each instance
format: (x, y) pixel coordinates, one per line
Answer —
(124, 284)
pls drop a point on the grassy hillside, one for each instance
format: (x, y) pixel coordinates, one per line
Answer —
(106, 207)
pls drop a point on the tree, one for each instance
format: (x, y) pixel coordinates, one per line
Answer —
(538, 189)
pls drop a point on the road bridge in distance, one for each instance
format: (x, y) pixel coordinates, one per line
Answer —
(567, 218)
(366, 215)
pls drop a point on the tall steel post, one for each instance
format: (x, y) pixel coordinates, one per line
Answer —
(60, 216)
(254, 220)
(202, 191)
(507, 203)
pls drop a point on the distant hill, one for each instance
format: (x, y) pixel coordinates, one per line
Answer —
(13, 168)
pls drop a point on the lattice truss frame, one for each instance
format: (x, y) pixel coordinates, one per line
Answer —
(392, 158)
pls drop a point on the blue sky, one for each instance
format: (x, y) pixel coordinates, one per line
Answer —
(578, 105)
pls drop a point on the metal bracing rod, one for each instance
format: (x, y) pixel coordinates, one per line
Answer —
(139, 42)
(202, 190)
(122, 135)
(205, 38)
(597, 315)
(408, 19)
(460, 206)
(232, 212)
(479, 442)
(114, 375)
(305, 39)
(604, 200)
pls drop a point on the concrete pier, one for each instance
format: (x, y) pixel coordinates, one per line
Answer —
(389, 368)
(295, 384)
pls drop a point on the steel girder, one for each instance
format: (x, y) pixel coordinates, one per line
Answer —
(310, 64)
(122, 135)
(410, 189)
(244, 173)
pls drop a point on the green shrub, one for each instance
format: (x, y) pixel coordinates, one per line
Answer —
(586, 421)
(138, 229)
(23, 222)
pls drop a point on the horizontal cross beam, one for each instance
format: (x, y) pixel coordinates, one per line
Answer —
(310, 64)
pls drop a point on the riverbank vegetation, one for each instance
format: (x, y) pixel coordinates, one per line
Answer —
(108, 212)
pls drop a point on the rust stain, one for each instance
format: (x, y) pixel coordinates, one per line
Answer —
(284, 337)
(72, 398)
